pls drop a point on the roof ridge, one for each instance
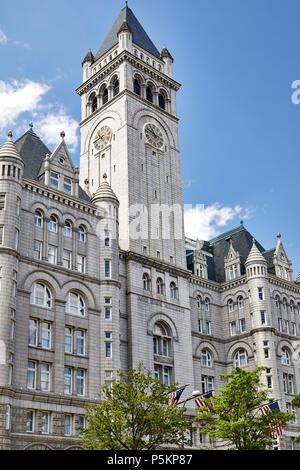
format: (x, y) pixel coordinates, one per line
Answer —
(226, 234)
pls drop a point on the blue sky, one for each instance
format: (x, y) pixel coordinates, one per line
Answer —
(236, 61)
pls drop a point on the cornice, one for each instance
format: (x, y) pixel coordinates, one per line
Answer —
(155, 263)
(284, 284)
(62, 198)
(139, 64)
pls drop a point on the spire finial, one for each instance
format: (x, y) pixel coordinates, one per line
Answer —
(253, 241)
(30, 125)
(126, 4)
(105, 177)
(278, 235)
(9, 135)
(62, 134)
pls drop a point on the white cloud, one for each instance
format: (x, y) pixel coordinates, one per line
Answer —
(21, 100)
(17, 98)
(23, 44)
(49, 126)
(207, 222)
(3, 38)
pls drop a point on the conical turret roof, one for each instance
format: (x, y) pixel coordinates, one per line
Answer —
(9, 150)
(255, 255)
(104, 191)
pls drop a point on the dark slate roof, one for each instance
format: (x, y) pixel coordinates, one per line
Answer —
(269, 256)
(218, 247)
(140, 37)
(241, 242)
(33, 151)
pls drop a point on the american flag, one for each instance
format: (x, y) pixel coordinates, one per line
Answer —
(174, 396)
(200, 403)
(276, 429)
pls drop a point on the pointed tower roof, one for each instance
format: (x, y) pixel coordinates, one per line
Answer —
(88, 58)
(9, 150)
(166, 53)
(104, 191)
(140, 37)
(298, 279)
(33, 152)
(255, 255)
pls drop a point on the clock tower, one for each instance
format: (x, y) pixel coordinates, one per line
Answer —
(129, 131)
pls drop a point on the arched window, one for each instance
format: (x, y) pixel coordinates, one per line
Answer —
(146, 281)
(285, 357)
(94, 103)
(104, 95)
(284, 304)
(292, 306)
(206, 360)
(198, 301)
(53, 224)
(41, 295)
(68, 229)
(240, 358)
(75, 304)
(116, 87)
(240, 301)
(137, 86)
(159, 286)
(161, 101)
(149, 94)
(207, 305)
(277, 302)
(161, 340)
(38, 218)
(173, 290)
(81, 234)
(230, 305)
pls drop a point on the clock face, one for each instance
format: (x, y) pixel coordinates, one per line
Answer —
(103, 137)
(153, 135)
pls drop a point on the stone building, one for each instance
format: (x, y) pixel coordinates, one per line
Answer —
(96, 274)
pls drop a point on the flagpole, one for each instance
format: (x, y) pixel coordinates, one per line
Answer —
(193, 397)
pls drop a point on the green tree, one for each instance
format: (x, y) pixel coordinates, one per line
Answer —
(236, 417)
(296, 402)
(133, 415)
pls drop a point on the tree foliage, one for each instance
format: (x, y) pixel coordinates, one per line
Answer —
(133, 415)
(236, 418)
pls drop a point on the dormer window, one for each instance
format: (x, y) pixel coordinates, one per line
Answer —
(67, 185)
(233, 272)
(54, 178)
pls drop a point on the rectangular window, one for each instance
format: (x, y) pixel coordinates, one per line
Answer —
(31, 375)
(18, 206)
(232, 327)
(107, 349)
(80, 342)
(155, 345)
(260, 292)
(68, 425)
(81, 264)
(7, 417)
(263, 318)
(52, 254)
(68, 340)
(16, 239)
(242, 325)
(1, 234)
(106, 238)
(294, 329)
(46, 335)
(14, 284)
(45, 422)
(33, 333)
(53, 180)
(67, 259)
(107, 313)
(30, 419)
(80, 382)
(67, 185)
(269, 381)
(207, 383)
(287, 327)
(200, 325)
(45, 377)
(2, 202)
(107, 268)
(279, 324)
(68, 381)
(81, 424)
(37, 247)
(167, 375)
(208, 328)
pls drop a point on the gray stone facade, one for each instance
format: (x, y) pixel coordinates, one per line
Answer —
(82, 296)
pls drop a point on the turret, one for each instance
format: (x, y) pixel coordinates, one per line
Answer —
(86, 64)
(168, 60)
(11, 174)
(107, 232)
(125, 36)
